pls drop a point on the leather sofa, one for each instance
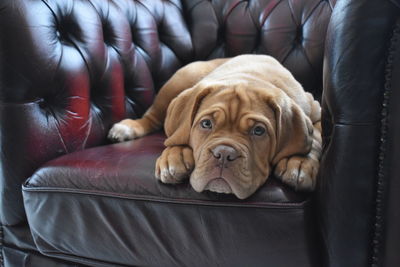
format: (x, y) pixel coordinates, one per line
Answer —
(69, 69)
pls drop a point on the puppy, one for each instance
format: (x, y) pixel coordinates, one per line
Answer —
(229, 123)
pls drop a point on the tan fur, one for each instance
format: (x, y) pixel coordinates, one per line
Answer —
(236, 96)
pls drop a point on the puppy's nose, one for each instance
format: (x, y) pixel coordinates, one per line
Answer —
(225, 153)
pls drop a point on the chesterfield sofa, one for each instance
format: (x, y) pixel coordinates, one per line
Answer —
(69, 69)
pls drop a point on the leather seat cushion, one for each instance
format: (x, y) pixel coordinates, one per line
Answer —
(104, 203)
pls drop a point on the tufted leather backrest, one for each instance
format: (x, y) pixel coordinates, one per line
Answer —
(291, 31)
(71, 68)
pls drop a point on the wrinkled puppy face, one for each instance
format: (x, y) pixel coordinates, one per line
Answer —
(233, 142)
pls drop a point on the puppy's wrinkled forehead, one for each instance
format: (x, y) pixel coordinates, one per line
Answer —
(230, 104)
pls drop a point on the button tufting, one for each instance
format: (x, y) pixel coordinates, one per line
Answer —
(42, 103)
(107, 34)
(299, 35)
(67, 28)
(60, 33)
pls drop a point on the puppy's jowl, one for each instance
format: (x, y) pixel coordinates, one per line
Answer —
(229, 123)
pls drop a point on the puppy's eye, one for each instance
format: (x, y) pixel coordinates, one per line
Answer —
(258, 130)
(206, 124)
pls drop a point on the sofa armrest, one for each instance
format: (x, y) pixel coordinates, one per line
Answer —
(356, 156)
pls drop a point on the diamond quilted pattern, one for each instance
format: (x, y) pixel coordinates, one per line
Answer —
(292, 31)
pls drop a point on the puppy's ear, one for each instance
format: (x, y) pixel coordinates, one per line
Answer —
(294, 129)
(180, 115)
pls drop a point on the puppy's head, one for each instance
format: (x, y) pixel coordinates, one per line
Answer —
(237, 133)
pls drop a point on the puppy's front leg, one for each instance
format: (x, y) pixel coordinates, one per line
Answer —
(175, 164)
(153, 119)
(300, 172)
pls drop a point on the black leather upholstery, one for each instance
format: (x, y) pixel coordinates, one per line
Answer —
(106, 202)
(87, 64)
(71, 68)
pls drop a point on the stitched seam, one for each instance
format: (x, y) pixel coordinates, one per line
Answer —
(52, 11)
(331, 5)
(270, 12)
(225, 19)
(80, 259)
(298, 23)
(377, 239)
(219, 35)
(85, 192)
(185, 15)
(105, 19)
(312, 12)
(355, 123)
(314, 70)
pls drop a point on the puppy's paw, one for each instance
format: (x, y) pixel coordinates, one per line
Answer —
(124, 130)
(175, 164)
(298, 172)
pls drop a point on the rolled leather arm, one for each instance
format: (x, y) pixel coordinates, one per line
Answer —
(359, 125)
